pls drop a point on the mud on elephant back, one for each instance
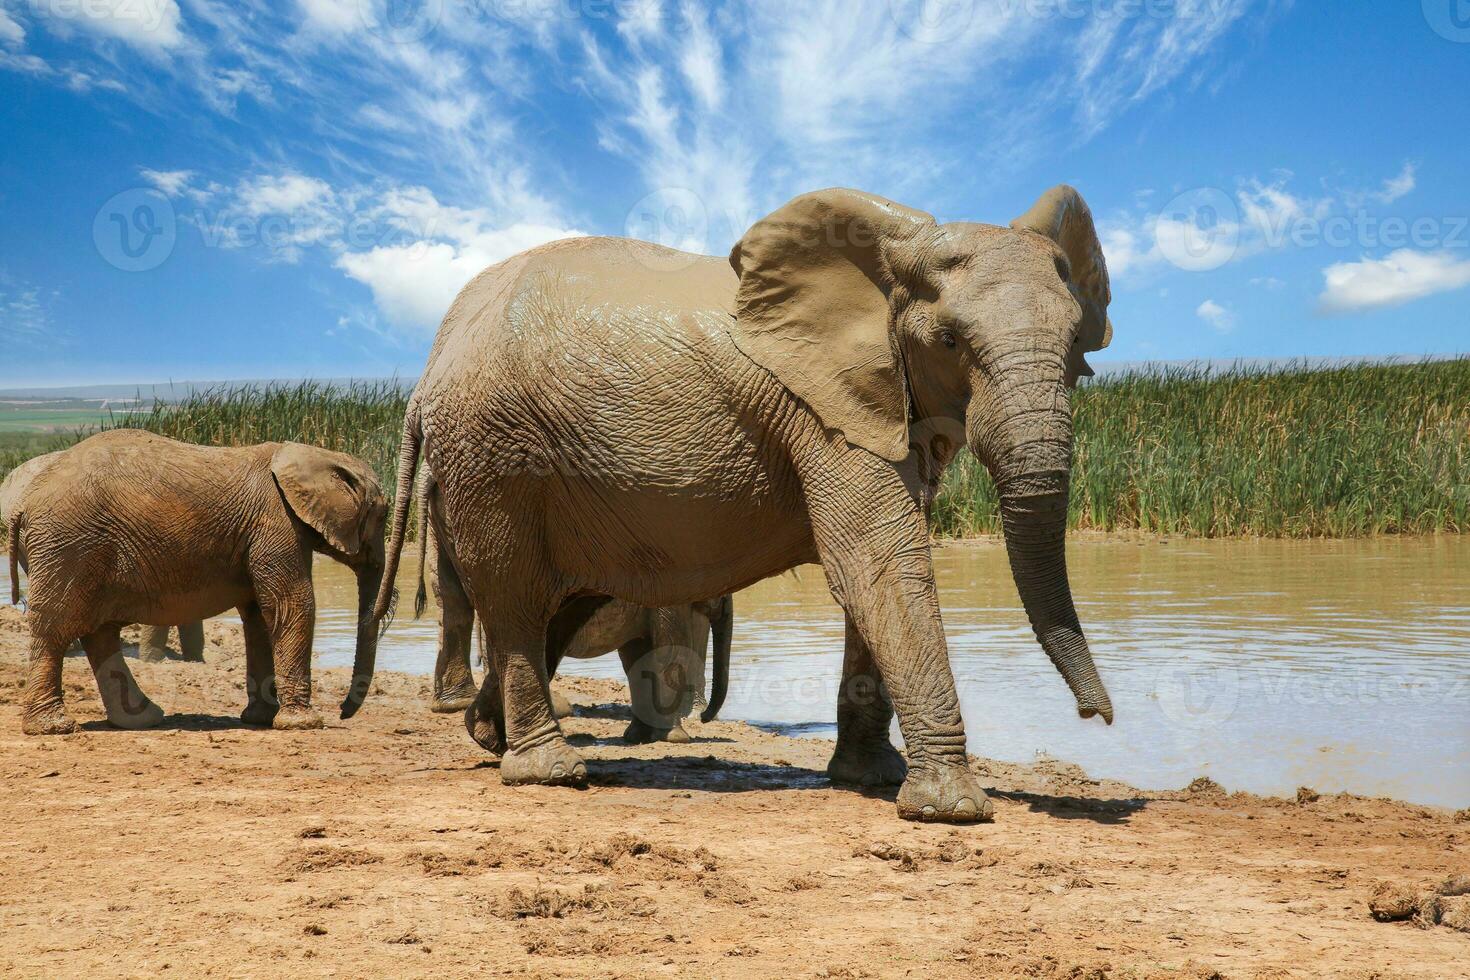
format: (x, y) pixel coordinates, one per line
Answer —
(610, 417)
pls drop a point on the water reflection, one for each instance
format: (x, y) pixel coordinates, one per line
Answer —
(1343, 665)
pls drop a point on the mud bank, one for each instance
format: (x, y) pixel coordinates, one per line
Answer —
(387, 846)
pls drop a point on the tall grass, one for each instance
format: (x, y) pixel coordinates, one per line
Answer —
(1367, 449)
(1370, 449)
(362, 418)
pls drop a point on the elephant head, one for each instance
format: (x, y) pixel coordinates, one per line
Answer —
(339, 498)
(909, 338)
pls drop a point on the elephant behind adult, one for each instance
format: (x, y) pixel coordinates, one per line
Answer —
(663, 650)
(612, 417)
(130, 527)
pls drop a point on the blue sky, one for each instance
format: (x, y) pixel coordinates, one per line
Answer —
(202, 189)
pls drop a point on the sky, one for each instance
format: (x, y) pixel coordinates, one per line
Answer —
(217, 189)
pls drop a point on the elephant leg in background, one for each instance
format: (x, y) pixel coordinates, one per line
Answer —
(864, 755)
(875, 550)
(153, 644)
(454, 681)
(648, 696)
(43, 711)
(261, 702)
(290, 618)
(191, 641)
(126, 704)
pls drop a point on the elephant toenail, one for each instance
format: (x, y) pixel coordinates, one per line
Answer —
(965, 807)
(929, 810)
(558, 771)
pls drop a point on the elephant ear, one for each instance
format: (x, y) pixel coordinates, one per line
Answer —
(330, 492)
(812, 309)
(1064, 217)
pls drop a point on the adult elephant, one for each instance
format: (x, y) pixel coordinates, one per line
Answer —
(613, 417)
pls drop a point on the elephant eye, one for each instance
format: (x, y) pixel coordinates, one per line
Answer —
(947, 339)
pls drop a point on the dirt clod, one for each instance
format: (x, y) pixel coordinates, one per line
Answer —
(1454, 913)
(1392, 901)
(1305, 794)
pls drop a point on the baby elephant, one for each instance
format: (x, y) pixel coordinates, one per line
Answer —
(131, 527)
(663, 650)
(153, 646)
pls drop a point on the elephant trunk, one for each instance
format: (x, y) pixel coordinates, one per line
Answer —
(1029, 454)
(722, 627)
(369, 579)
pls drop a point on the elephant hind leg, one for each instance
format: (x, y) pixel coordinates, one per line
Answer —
(126, 704)
(43, 712)
(454, 681)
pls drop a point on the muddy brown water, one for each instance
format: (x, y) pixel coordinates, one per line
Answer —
(1266, 665)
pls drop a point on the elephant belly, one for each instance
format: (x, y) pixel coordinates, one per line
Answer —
(183, 606)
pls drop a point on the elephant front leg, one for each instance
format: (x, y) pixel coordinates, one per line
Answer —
(864, 755)
(536, 749)
(126, 704)
(261, 702)
(875, 550)
(454, 681)
(291, 621)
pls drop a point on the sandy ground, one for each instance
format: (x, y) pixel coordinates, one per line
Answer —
(387, 846)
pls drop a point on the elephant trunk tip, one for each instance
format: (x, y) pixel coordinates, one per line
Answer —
(1091, 708)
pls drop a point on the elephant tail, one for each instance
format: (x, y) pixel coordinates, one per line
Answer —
(722, 627)
(408, 459)
(14, 546)
(421, 595)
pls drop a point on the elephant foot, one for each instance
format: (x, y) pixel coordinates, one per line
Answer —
(259, 713)
(551, 763)
(149, 715)
(296, 719)
(483, 731)
(448, 702)
(947, 795)
(52, 721)
(677, 735)
(874, 764)
(191, 657)
(152, 655)
(560, 706)
(640, 732)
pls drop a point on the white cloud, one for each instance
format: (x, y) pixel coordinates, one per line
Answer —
(25, 320)
(1401, 277)
(1397, 187)
(413, 284)
(1216, 316)
(171, 182)
(149, 25)
(1268, 282)
(333, 16)
(10, 30)
(274, 193)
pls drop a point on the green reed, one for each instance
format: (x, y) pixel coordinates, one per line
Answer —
(1366, 449)
(1358, 450)
(364, 418)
